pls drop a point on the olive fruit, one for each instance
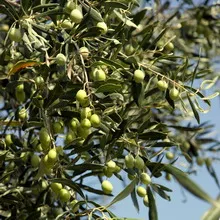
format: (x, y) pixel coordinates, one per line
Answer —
(15, 35)
(129, 49)
(66, 24)
(169, 155)
(107, 187)
(20, 87)
(70, 136)
(99, 74)
(57, 127)
(102, 25)
(146, 200)
(44, 139)
(95, 120)
(69, 7)
(85, 123)
(76, 16)
(169, 46)
(56, 187)
(22, 114)
(129, 161)
(208, 162)
(141, 191)
(74, 124)
(82, 97)
(107, 172)
(84, 51)
(174, 94)
(61, 59)
(35, 160)
(185, 146)
(139, 76)
(20, 96)
(64, 195)
(8, 140)
(200, 161)
(139, 163)
(73, 205)
(162, 85)
(168, 176)
(111, 165)
(145, 178)
(86, 113)
(83, 132)
(39, 80)
(52, 156)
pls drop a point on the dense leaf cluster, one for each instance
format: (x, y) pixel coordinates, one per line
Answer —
(91, 89)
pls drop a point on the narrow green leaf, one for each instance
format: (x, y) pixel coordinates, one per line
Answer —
(196, 114)
(108, 87)
(188, 184)
(160, 191)
(124, 193)
(152, 135)
(92, 12)
(134, 200)
(114, 4)
(152, 205)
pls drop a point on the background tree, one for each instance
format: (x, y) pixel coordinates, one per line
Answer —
(91, 89)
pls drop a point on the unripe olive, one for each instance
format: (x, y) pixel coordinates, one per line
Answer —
(141, 191)
(70, 136)
(52, 156)
(35, 160)
(81, 96)
(75, 207)
(95, 121)
(129, 49)
(168, 176)
(200, 161)
(56, 187)
(64, 195)
(117, 169)
(47, 164)
(131, 177)
(169, 155)
(57, 127)
(129, 161)
(8, 140)
(111, 165)
(86, 113)
(107, 172)
(208, 162)
(85, 123)
(174, 94)
(74, 124)
(22, 114)
(20, 96)
(99, 74)
(185, 146)
(102, 25)
(83, 132)
(84, 51)
(162, 85)
(169, 46)
(39, 80)
(20, 87)
(69, 7)
(61, 59)
(145, 178)
(139, 76)
(66, 24)
(15, 35)
(146, 200)
(44, 139)
(107, 187)
(139, 163)
(76, 16)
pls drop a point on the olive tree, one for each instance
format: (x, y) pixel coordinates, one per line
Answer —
(95, 89)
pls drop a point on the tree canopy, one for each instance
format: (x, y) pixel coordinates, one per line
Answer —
(91, 89)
